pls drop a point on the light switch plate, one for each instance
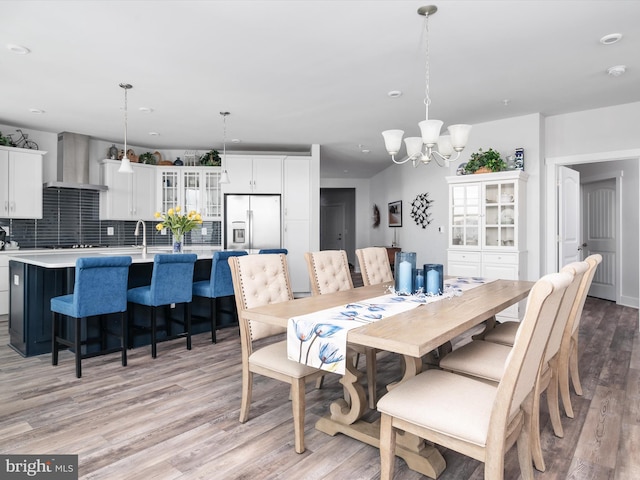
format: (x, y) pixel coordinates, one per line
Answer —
(110, 231)
(204, 230)
(16, 280)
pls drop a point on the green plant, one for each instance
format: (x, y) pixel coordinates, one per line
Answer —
(148, 158)
(211, 159)
(489, 159)
(5, 140)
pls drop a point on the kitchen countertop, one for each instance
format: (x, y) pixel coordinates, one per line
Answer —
(64, 258)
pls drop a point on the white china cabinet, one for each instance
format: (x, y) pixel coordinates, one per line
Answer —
(192, 188)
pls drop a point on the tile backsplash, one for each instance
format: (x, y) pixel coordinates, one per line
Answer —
(72, 217)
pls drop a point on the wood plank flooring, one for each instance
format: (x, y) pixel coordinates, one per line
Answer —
(176, 417)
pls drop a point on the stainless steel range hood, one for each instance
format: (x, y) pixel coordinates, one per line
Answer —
(72, 170)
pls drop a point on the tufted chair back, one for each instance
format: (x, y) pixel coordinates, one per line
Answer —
(374, 265)
(259, 280)
(328, 271)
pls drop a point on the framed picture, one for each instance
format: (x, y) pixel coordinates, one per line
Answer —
(395, 214)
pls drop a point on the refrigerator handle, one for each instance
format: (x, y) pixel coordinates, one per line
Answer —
(250, 227)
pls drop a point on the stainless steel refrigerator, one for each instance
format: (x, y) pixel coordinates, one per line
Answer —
(252, 222)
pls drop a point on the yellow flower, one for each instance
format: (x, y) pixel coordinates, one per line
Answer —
(170, 212)
(159, 227)
(157, 214)
(178, 208)
(178, 224)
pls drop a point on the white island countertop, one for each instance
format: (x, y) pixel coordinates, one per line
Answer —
(65, 258)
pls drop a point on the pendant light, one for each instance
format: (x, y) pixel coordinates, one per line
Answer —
(423, 149)
(224, 178)
(125, 166)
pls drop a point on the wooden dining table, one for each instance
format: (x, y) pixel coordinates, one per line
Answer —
(411, 334)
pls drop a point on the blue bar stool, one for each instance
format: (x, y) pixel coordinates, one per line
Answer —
(273, 250)
(219, 285)
(100, 288)
(171, 282)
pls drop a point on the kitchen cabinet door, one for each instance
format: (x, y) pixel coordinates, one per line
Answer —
(260, 174)
(20, 183)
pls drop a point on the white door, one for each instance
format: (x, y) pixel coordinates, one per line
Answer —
(568, 216)
(600, 227)
(332, 227)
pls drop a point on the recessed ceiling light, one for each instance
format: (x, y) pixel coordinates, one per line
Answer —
(617, 70)
(395, 93)
(365, 150)
(506, 102)
(18, 49)
(611, 38)
(235, 140)
(36, 111)
(146, 109)
(154, 134)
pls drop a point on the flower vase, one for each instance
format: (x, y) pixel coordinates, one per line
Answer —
(177, 243)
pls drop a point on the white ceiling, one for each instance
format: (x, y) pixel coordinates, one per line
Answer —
(293, 73)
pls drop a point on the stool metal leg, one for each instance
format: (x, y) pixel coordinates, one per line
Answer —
(153, 332)
(54, 338)
(77, 346)
(123, 338)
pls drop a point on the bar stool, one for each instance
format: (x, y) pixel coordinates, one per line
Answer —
(100, 289)
(219, 285)
(171, 283)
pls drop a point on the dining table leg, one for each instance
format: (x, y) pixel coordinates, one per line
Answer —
(346, 418)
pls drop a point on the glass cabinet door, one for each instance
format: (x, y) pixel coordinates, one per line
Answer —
(170, 190)
(465, 215)
(191, 191)
(212, 201)
(499, 214)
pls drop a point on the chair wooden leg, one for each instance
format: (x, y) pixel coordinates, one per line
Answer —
(563, 384)
(573, 366)
(187, 322)
(536, 447)
(213, 306)
(387, 447)
(319, 382)
(54, 338)
(298, 405)
(153, 333)
(78, 347)
(553, 402)
(247, 386)
(123, 337)
(524, 443)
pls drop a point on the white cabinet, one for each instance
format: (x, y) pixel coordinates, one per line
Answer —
(20, 183)
(192, 188)
(4, 284)
(487, 234)
(297, 216)
(258, 174)
(130, 196)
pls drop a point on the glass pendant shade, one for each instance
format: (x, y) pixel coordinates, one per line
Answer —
(430, 130)
(224, 178)
(444, 146)
(414, 146)
(125, 165)
(459, 136)
(393, 140)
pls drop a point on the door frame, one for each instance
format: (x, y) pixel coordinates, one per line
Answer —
(550, 240)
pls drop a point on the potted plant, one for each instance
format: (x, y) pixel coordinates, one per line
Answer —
(148, 158)
(5, 140)
(485, 162)
(211, 159)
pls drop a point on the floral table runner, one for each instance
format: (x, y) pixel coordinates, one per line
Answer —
(319, 339)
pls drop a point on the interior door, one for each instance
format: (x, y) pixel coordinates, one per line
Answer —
(332, 219)
(569, 249)
(600, 227)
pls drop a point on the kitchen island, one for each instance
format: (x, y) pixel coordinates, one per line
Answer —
(34, 278)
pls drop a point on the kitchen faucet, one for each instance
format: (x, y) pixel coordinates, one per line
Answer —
(144, 235)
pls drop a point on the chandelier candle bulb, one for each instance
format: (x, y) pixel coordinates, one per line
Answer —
(435, 278)
(405, 266)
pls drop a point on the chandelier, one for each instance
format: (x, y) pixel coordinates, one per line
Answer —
(423, 149)
(125, 166)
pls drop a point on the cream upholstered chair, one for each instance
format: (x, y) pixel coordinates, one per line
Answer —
(374, 265)
(329, 272)
(261, 280)
(504, 334)
(472, 417)
(486, 361)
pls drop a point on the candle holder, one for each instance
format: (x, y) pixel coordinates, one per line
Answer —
(405, 270)
(434, 279)
(418, 283)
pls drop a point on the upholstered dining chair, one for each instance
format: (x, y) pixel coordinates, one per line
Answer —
(262, 280)
(374, 265)
(273, 250)
(219, 285)
(504, 334)
(486, 360)
(470, 416)
(100, 289)
(171, 283)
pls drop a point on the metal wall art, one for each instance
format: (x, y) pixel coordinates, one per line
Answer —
(419, 210)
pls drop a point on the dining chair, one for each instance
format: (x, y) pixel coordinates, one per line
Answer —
(486, 361)
(329, 272)
(273, 250)
(171, 283)
(472, 417)
(218, 286)
(100, 289)
(262, 280)
(504, 334)
(374, 265)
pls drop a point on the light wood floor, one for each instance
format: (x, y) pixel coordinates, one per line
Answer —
(176, 417)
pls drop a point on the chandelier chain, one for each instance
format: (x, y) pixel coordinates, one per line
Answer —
(427, 98)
